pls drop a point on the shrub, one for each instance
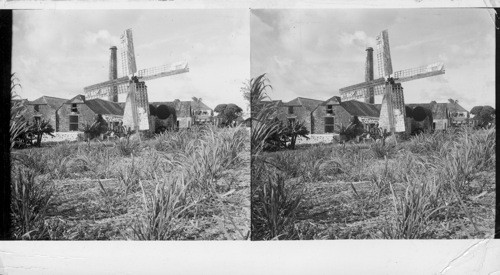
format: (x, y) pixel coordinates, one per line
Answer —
(383, 150)
(127, 146)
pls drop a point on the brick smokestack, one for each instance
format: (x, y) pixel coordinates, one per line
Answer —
(113, 74)
(369, 74)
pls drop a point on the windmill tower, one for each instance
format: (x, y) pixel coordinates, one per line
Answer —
(392, 112)
(136, 112)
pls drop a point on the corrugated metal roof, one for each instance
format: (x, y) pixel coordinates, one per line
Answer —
(104, 107)
(358, 108)
(54, 102)
(308, 103)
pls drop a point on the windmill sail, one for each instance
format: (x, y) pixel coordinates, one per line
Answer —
(127, 53)
(161, 71)
(419, 72)
(101, 90)
(384, 54)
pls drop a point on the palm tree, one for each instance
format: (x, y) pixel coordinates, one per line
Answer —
(18, 122)
(39, 128)
(262, 114)
(294, 130)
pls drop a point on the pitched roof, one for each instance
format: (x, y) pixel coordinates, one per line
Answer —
(279, 103)
(54, 102)
(455, 107)
(358, 108)
(76, 99)
(333, 98)
(439, 110)
(308, 103)
(104, 107)
(199, 106)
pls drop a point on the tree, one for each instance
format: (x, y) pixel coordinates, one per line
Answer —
(18, 123)
(197, 104)
(263, 114)
(39, 128)
(294, 130)
(228, 113)
(483, 114)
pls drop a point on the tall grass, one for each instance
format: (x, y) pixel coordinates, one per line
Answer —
(31, 195)
(275, 205)
(162, 210)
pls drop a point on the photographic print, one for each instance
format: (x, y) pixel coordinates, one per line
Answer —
(130, 124)
(373, 124)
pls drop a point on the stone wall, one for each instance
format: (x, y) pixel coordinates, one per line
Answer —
(61, 136)
(299, 114)
(316, 138)
(341, 117)
(85, 115)
(45, 112)
(185, 122)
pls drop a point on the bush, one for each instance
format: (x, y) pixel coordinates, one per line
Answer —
(127, 146)
(383, 150)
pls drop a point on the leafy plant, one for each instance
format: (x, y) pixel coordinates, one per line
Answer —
(274, 208)
(31, 196)
(162, 210)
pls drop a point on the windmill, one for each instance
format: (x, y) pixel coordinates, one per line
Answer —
(392, 112)
(136, 112)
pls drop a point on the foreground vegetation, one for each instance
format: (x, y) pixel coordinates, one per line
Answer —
(439, 185)
(191, 184)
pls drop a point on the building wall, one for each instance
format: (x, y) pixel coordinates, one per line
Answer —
(185, 122)
(85, 115)
(441, 124)
(299, 114)
(45, 112)
(340, 115)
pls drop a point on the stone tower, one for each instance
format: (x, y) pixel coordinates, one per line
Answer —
(113, 74)
(370, 98)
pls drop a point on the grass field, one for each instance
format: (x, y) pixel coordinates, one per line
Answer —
(187, 185)
(439, 185)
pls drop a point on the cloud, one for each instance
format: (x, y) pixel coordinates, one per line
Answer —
(101, 37)
(358, 38)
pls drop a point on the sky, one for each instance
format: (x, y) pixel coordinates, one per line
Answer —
(314, 53)
(59, 52)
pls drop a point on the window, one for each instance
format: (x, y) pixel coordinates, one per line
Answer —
(291, 121)
(37, 108)
(37, 119)
(329, 124)
(329, 109)
(74, 109)
(73, 123)
(290, 110)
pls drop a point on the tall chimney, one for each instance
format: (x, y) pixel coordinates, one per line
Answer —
(370, 98)
(113, 74)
